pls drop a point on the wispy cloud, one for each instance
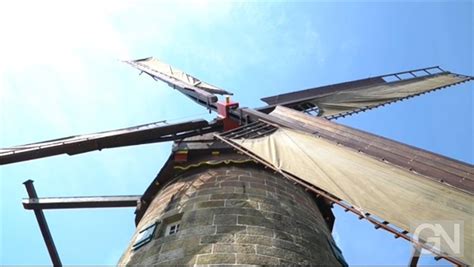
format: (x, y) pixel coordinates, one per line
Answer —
(44, 50)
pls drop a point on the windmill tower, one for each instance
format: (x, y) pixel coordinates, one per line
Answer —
(256, 186)
(231, 210)
(219, 207)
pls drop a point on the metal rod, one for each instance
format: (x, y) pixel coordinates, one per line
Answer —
(80, 202)
(239, 129)
(262, 133)
(246, 130)
(48, 239)
(249, 132)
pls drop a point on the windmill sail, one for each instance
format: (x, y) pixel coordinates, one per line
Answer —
(142, 134)
(347, 98)
(395, 182)
(199, 91)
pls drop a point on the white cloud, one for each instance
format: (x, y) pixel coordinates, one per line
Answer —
(44, 50)
(54, 31)
(52, 50)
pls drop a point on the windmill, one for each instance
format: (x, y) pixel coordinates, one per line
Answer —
(256, 186)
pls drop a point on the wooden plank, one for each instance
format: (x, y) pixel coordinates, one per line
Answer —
(142, 134)
(80, 202)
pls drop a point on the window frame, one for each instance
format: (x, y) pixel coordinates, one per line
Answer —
(176, 230)
(145, 235)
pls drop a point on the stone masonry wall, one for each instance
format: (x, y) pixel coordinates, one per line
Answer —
(234, 215)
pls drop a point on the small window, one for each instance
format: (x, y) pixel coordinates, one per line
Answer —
(171, 225)
(145, 236)
(172, 229)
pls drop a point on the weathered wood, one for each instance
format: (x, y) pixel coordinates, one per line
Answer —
(142, 134)
(43, 225)
(80, 202)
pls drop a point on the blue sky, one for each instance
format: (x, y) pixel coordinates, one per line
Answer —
(60, 75)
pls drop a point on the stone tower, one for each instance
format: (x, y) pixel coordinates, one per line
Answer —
(210, 205)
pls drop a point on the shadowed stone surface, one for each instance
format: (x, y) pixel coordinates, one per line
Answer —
(233, 215)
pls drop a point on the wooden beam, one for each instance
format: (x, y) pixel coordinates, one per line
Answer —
(43, 225)
(80, 202)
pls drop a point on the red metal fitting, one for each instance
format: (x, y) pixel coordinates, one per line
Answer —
(181, 156)
(223, 109)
